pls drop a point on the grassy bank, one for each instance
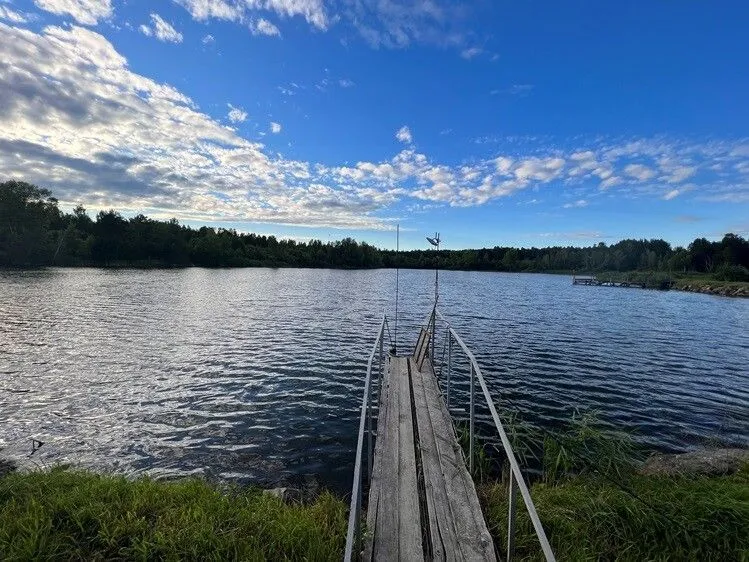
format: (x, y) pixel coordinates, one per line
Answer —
(647, 518)
(709, 284)
(592, 502)
(595, 504)
(70, 515)
(693, 282)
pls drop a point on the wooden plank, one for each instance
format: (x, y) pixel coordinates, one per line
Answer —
(393, 517)
(420, 343)
(375, 484)
(453, 499)
(410, 516)
(385, 488)
(422, 346)
(441, 529)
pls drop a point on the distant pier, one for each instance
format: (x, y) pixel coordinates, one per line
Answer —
(593, 280)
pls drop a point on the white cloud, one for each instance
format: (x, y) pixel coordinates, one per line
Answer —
(742, 197)
(396, 24)
(236, 114)
(87, 12)
(208, 40)
(404, 135)
(638, 171)
(162, 30)
(263, 27)
(576, 204)
(520, 89)
(671, 194)
(313, 11)
(12, 16)
(76, 119)
(577, 235)
(346, 83)
(681, 173)
(471, 52)
(381, 23)
(503, 165)
(611, 181)
(541, 169)
(275, 128)
(583, 156)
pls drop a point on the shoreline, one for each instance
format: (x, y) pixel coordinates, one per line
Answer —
(84, 514)
(693, 283)
(715, 289)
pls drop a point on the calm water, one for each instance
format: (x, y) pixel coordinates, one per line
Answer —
(256, 375)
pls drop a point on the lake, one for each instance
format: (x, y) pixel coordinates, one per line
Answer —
(256, 375)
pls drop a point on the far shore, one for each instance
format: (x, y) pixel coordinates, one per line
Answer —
(688, 282)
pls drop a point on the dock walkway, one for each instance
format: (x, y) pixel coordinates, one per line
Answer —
(422, 503)
(422, 500)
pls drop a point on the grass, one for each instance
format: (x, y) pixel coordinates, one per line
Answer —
(650, 518)
(706, 280)
(595, 506)
(72, 515)
(679, 281)
(591, 500)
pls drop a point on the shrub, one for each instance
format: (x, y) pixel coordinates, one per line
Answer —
(732, 273)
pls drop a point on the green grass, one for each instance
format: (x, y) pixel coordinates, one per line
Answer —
(648, 518)
(70, 515)
(679, 281)
(595, 506)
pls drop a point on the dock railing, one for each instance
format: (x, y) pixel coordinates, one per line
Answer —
(353, 534)
(517, 481)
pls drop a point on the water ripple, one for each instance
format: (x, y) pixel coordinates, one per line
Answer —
(256, 375)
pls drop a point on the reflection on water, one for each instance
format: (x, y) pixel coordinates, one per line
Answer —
(256, 374)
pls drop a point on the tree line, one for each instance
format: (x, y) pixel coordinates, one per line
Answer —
(35, 232)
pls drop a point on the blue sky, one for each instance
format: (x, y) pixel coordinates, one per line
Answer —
(496, 123)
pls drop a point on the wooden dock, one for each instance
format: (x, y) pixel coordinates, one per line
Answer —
(422, 500)
(592, 280)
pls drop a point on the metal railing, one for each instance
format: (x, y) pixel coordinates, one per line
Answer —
(517, 482)
(353, 535)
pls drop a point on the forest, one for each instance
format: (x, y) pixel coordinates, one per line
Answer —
(35, 232)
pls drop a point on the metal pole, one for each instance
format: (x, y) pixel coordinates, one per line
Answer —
(397, 274)
(513, 494)
(449, 364)
(434, 329)
(353, 532)
(379, 372)
(358, 519)
(369, 434)
(470, 424)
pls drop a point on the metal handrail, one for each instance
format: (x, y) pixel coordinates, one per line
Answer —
(517, 481)
(353, 536)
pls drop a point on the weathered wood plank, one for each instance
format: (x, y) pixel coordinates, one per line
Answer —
(459, 504)
(442, 531)
(422, 346)
(393, 517)
(409, 533)
(375, 484)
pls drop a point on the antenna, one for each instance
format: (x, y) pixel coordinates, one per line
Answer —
(397, 272)
(436, 243)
